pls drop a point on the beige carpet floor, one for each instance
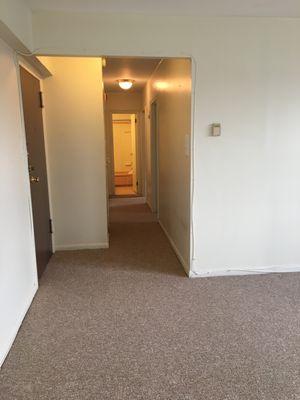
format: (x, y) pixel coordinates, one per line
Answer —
(126, 324)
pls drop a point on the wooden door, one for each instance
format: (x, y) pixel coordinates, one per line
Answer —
(32, 108)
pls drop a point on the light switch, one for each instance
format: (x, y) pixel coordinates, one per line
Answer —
(216, 129)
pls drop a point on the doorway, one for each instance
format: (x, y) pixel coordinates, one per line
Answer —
(151, 120)
(124, 129)
(34, 130)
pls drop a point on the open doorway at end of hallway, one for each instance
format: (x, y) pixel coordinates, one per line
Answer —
(125, 154)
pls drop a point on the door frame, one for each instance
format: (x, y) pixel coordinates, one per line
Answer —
(192, 139)
(138, 151)
(154, 156)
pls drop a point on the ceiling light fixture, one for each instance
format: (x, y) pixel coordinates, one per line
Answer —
(125, 84)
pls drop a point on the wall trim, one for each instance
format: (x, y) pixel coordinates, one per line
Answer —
(82, 246)
(273, 269)
(18, 324)
(177, 252)
(34, 66)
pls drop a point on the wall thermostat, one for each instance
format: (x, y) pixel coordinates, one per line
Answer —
(216, 129)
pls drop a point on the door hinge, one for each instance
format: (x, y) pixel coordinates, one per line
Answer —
(137, 183)
(136, 120)
(50, 226)
(41, 99)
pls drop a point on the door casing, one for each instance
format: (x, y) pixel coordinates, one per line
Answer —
(154, 151)
(139, 149)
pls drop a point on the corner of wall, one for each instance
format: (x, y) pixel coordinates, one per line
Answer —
(14, 331)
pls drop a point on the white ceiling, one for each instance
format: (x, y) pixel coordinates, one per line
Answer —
(138, 69)
(268, 8)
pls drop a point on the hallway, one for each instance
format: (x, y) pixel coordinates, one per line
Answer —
(126, 324)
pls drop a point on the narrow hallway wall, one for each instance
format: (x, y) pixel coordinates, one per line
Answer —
(170, 86)
(74, 117)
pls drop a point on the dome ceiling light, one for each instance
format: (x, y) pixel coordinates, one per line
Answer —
(125, 84)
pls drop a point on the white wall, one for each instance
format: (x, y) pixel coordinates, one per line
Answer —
(18, 278)
(170, 87)
(74, 120)
(16, 15)
(246, 196)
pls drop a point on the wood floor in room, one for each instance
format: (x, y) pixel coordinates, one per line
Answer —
(124, 190)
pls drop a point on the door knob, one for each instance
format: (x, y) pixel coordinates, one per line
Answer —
(34, 179)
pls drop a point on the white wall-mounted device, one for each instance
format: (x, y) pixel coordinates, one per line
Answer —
(216, 129)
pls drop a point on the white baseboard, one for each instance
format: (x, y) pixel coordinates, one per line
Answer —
(82, 246)
(273, 269)
(149, 205)
(177, 252)
(18, 324)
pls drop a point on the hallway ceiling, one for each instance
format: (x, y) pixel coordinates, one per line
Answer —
(266, 8)
(137, 68)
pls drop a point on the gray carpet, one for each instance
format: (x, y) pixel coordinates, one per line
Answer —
(126, 324)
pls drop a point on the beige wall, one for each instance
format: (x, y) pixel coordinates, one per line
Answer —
(18, 276)
(124, 101)
(170, 87)
(75, 139)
